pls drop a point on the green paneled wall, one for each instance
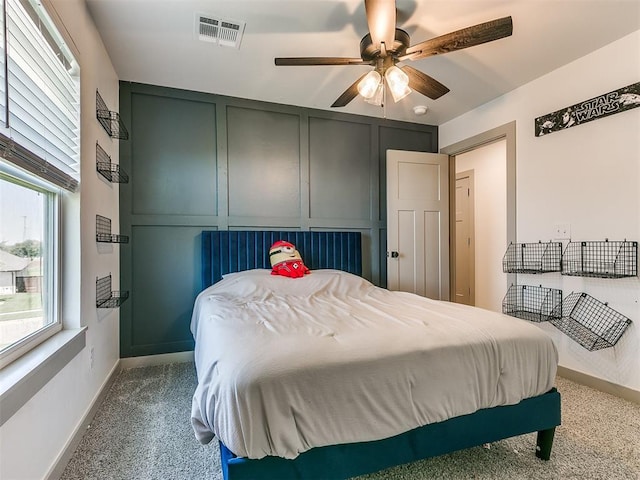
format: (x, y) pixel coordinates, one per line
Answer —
(201, 161)
(263, 153)
(174, 151)
(340, 176)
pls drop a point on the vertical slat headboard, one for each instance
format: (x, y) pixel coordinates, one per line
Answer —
(225, 251)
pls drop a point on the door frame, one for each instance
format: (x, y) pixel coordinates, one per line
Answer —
(504, 132)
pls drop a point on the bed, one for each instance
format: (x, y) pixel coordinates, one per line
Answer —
(328, 376)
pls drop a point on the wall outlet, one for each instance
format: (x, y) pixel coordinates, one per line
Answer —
(562, 231)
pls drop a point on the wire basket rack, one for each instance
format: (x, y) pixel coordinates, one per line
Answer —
(605, 259)
(536, 304)
(591, 323)
(103, 232)
(107, 298)
(109, 120)
(109, 170)
(532, 257)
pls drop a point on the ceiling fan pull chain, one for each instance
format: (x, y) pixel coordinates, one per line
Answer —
(384, 100)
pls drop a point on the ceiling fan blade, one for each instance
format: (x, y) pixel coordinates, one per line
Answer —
(305, 61)
(467, 37)
(349, 94)
(423, 83)
(381, 19)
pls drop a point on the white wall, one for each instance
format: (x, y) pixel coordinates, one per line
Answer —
(34, 437)
(586, 176)
(489, 164)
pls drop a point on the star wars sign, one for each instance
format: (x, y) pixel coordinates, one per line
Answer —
(624, 98)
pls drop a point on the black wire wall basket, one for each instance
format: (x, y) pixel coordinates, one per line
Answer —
(107, 298)
(103, 232)
(532, 257)
(528, 302)
(109, 170)
(605, 259)
(591, 323)
(109, 120)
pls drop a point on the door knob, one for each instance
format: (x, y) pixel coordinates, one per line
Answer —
(394, 254)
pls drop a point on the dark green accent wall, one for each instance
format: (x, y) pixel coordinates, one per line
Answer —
(201, 161)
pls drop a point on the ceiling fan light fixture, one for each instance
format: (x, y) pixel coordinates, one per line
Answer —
(386, 45)
(398, 82)
(369, 85)
(377, 98)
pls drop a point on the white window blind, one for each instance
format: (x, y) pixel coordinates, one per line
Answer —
(3, 65)
(42, 133)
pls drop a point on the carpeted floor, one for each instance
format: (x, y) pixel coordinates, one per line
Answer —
(142, 432)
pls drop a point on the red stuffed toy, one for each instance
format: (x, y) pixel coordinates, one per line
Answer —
(286, 260)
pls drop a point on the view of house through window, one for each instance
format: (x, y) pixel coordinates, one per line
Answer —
(23, 261)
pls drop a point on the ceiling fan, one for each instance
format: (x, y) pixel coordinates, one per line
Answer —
(386, 45)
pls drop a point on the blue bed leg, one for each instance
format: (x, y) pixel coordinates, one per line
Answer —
(544, 443)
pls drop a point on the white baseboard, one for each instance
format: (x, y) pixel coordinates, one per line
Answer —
(152, 360)
(56, 470)
(599, 384)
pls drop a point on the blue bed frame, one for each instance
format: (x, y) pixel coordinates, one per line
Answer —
(231, 251)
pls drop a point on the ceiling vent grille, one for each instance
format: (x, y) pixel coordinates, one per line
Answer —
(225, 33)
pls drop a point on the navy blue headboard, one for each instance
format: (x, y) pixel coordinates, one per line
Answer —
(225, 251)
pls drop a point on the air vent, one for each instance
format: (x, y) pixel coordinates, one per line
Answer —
(226, 33)
(208, 29)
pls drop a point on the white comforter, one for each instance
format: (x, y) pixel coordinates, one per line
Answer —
(285, 365)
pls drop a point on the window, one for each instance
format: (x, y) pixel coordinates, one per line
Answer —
(39, 159)
(28, 246)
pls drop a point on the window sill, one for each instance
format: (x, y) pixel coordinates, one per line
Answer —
(23, 378)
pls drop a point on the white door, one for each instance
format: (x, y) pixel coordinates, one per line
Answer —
(418, 223)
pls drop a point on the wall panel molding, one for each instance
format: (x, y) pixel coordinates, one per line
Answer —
(201, 161)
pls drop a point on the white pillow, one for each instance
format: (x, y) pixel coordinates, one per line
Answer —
(257, 282)
(258, 272)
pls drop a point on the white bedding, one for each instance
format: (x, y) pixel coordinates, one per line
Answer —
(285, 365)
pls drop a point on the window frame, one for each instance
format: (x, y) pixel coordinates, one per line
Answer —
(52, 272)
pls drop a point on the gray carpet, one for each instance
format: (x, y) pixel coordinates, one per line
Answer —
(142, 432)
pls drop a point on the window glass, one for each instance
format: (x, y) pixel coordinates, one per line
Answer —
(26, 247)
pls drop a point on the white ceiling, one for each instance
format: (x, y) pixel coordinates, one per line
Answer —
(154, 42)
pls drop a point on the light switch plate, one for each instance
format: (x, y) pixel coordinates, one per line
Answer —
(562, 231)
